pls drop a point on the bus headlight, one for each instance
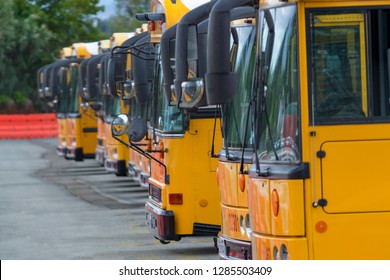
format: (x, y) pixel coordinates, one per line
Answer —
(248, 226)
(242, 226)
(283, 252)
(115, 154)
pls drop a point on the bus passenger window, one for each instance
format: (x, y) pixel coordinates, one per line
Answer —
(349, 65)
(337, 67)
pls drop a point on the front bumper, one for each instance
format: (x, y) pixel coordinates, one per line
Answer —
(74, 153)
(160, 223)
(99, 156)
(232, 249)
(116, 166)
(61, 151)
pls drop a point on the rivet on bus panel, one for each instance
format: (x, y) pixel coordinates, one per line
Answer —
(203, 202)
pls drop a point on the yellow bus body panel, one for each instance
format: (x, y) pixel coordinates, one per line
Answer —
(234, 223)
(234, 202)
(112, 145)
(82, 131)
(101, 139)
(62, 133)
(192, 173)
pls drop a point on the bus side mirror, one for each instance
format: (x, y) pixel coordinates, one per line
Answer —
(143, 77)
(221, 87)
(128, 90)
(96, 106)
(138, 129)
(192, 92)
(120, 125)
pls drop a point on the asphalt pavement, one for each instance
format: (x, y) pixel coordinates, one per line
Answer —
(57, 209)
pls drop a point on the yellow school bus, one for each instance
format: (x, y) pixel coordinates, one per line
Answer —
(58, 92)
(89, 91)
(116, 154)
(80, 123)
(229, 84)
(130, 67)
(318, 184)
(43, 86)
(179, 205)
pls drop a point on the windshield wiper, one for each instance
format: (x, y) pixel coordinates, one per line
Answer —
(264, 61)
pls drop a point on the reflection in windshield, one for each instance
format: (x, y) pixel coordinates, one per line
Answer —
(168, 118)
(112, 106)
(235, 113)
(278, 123)
(336, 66)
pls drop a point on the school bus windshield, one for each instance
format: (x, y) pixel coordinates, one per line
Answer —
(73, 105)
(278, 86)
(235, 113)
(112, 106)
(63, 91)
(168, 118)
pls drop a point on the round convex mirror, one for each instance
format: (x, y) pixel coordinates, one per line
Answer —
(120, 125)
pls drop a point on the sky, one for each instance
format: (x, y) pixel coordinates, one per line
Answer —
(109, 8)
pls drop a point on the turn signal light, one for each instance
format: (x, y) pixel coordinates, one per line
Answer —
(241, 182)
(152, 26)
(175, 198)
(275, 203)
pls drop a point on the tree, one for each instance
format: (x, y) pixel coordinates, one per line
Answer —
(32, 32)
(124, 19)
(70, 20)
(22, 44)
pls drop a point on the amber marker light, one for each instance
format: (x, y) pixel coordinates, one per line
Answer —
(176, 198)
(152, 26)
(275, 203)
(241, 182)
(321, 226)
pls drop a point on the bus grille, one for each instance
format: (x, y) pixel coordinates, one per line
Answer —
(155, 193)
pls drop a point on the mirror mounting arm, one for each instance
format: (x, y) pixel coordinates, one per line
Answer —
(157, 151)
(145, 154)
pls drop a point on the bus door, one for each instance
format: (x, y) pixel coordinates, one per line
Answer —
(349, 132)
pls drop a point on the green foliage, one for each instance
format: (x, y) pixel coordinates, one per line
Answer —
(19, 98)
(32, 32)
(71, 21)
(3, 101)
(124, 19)
(22, 44)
